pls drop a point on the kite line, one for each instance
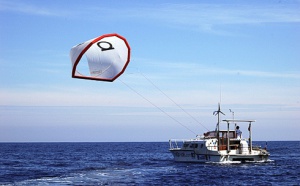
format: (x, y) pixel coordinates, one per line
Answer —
(157, 107)
(173, 101)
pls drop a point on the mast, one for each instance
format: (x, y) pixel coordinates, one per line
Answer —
(250, 136)
(228, 147)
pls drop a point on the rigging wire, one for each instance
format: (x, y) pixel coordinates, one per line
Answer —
(174, 101)
(157, 107)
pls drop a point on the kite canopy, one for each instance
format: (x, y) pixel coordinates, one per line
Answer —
(106, 58)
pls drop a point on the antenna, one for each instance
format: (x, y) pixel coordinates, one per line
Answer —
(232, 117)
(220, 96)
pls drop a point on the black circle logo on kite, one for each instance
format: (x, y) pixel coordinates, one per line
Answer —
(104, 45)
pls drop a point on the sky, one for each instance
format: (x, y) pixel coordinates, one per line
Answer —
(186, 57)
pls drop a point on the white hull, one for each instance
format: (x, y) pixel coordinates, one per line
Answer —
(191, 156)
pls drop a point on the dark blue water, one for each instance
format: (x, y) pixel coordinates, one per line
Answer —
(137, 164)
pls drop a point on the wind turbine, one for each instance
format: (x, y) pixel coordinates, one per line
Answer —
(218, 113)
(218, 124)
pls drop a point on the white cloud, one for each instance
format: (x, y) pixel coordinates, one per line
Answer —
(186, 69)
(204, 16)
(207, 17)
(27, 8)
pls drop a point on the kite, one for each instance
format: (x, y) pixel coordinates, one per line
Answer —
(103, 58)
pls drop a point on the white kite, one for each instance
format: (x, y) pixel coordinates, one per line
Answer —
(103, 58)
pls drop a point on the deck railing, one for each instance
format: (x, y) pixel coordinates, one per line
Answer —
(176, 143)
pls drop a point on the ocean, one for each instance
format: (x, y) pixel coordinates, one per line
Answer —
(138, 163)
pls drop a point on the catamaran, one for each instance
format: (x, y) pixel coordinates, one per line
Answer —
(219, 146)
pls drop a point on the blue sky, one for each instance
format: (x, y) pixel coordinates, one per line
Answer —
(190, 50)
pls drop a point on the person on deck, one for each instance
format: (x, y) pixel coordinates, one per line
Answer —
(238, 132)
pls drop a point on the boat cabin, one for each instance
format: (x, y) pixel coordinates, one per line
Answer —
(222, 133)
(233, 141)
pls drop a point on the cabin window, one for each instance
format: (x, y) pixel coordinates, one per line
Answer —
(223, 134)
(194, 146)
(210, 134)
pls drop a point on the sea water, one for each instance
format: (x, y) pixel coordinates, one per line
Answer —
(138, 163)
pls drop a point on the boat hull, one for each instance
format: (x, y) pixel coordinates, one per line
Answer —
(215, 156)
